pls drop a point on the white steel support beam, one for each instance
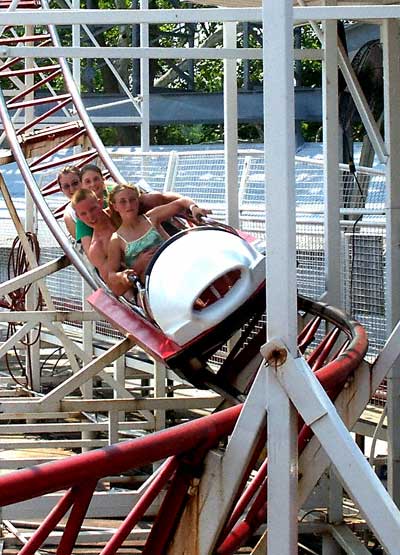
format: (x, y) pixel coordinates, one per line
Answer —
(391, 67)
(201, 15)
(151, 52)
(318, 412)
(279, 150)
(119, 368)
(350, 404)
(282, 469)
(231, 130)
(223, 475)
(53, 398)
(76, 41)
(330, 111)
(32, 351)
(31, 276)
(348, 541)
(160, 390)
(144, 81)
(128, 16)
(87, 338)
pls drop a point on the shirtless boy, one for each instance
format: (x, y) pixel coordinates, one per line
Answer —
(89, 209)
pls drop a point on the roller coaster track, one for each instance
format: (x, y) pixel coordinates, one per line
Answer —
(34, 145)
(333, 357)
(333, 345)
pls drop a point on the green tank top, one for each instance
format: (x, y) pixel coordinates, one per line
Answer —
(149, 240)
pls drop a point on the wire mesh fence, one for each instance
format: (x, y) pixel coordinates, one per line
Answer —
(201, 176)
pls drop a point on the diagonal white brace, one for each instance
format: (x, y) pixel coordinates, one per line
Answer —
(359, 479)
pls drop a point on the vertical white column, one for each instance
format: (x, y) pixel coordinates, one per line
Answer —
(282, 470)
(281, 267)
(391, 53)
(279, 172)
(160, 390)
(31, 225)
(119, 367)
(231, 129)
(330, 114)
(87, 338)
(76, 41)
(145, 83)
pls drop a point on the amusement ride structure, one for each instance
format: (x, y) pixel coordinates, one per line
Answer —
(295, 376)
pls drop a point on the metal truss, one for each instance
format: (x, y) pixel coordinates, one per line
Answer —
(282, 386)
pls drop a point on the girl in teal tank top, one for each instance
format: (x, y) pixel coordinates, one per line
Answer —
(134, 243)
(150, 240)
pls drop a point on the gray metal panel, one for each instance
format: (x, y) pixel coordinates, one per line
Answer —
(188, 107)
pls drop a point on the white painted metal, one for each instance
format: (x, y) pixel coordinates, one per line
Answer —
(160, 390)
(281, 266)
(330, 107)
(53, 398)
(123, 52)
(144, 79)
(231, 128)
(391, 53)
(317, 411)
(31, 276)
(119, 368)
(32, 350)
(87, 340)
(128, 16)
(11, 8)
(132, 404)
(212, 253)
(170, 174)
(112, 427)
(329, 546)
(148, 53)
(222, 475)
(350, 404)
(348, 541)
(11, 342)
(335, 508)
(103, 504)
(279, 172)
(282, 469)
(122, 84)
(76, 41)
(332, 239)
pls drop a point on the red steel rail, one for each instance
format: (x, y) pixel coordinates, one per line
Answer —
(184, 447)
(333, 355)
(34, 144)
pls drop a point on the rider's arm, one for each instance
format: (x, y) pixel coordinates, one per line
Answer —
(117, 280)
(148, 201)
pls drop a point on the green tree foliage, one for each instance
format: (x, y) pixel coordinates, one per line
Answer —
(204, 76)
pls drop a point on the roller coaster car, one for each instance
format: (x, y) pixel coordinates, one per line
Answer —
(202, 285)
